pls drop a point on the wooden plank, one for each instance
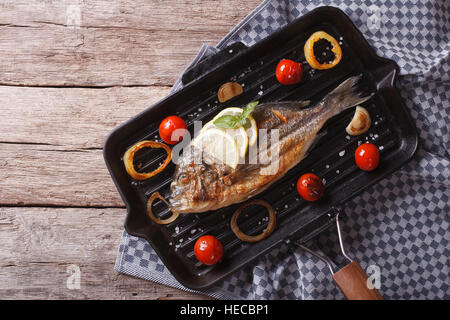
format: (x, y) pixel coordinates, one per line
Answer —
(100, 43)
(41, 245)
(51, 141)
(94, 57)
(165, 15)
(54, 176)
(73, 118)
(51, 138)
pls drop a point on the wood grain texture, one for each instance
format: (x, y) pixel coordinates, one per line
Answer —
(42, 175)
(39, 246)
(65, 83)
(108, 43)
(70, 118)
(51, 141)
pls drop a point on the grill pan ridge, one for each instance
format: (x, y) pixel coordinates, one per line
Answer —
(331, 159)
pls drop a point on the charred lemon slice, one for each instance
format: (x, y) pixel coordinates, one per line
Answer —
(219, 145)
(322, 51)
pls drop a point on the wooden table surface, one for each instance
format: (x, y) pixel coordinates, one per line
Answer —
(70, 72)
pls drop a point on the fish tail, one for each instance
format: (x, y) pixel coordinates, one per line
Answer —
(345, 96)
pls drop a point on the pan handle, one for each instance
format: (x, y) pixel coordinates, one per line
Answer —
(352, 280)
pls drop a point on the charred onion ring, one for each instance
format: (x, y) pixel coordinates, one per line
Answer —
(129, 155)
(152, 198)
(270, 226)
(309, 50)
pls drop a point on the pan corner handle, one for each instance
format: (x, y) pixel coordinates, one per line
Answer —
(212, 62)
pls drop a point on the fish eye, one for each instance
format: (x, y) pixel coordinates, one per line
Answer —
(183, 179)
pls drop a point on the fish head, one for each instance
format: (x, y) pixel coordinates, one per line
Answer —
(195, 187)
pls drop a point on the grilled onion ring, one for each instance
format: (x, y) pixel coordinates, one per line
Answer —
(309, 51)
(152, 198)
(129, 155)
(270, 226)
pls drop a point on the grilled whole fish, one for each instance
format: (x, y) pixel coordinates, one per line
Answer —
(200, 186)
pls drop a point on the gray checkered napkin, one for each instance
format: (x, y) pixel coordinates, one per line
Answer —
(400, 224)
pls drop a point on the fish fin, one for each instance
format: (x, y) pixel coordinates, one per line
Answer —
(345, 96)
(292, 104)
(303, 104)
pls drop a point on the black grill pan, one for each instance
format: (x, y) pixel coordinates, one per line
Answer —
(331, 159)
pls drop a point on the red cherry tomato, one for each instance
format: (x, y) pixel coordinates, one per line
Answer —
(208, 250)
(367, 157)
(310, 187)
(167, 128)
(289, 72)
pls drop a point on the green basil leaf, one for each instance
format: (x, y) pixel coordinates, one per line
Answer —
(243, 121)
(226, 122)
(248, 109)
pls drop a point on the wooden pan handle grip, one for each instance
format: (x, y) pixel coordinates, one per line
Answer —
(352, 280)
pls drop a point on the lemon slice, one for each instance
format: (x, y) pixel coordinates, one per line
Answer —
(219, 145)
(208, 125)
(240, 136)
(250, 124)
(234, 111)
(252, 130)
